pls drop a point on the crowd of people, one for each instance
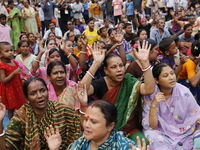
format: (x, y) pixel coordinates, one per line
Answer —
(100, 74)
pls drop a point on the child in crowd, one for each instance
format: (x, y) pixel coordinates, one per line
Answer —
(169, 49)
(4, 30)
(10, 82)
(190, 74)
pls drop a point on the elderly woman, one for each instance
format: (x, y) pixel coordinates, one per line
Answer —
(26, 128)
(171, 116)
(121, 90)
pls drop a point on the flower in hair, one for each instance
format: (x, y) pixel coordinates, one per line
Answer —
(196, 48)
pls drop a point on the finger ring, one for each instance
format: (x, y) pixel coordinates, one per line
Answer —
(82, 93)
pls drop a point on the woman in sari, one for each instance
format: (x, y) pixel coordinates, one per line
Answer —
(28, 13)
(95, 10)
(121, 90)
(171, 116)
(26, 128)
(14, 23)
(60, 88)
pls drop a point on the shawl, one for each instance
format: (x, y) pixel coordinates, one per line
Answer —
(127, 99)
(25, 133)
(67, 96)
(114, 141)
(176, 116)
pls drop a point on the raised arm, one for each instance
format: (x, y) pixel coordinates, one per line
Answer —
(135, 19)
(142, 55)
(83, 53)
(98, 56)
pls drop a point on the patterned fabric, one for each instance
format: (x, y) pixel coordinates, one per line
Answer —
(115, 141)
(24, 132)
(197, 139)
(176, 120)
(67, 96)
(11, 92)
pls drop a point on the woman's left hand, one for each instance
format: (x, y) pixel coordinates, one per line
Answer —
(53, 138)
(139, 146)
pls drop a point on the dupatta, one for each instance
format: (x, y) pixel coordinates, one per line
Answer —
(125, 98)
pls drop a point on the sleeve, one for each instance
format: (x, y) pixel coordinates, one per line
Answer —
(59, 32)
(46, 34)
(152, 35)
(190, 68)
(100, 87)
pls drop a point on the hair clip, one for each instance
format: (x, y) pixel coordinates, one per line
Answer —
(135, 45)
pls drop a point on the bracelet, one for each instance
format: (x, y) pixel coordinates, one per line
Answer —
(36, 60)
(120, 44)
(2, 134)
(69, 55)
(90, 74)
(83, 113)
(82, 52)
(147, 68)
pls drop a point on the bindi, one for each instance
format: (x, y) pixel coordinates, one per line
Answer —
(87, 117)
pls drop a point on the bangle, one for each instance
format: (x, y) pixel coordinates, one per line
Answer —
(83, 113)
(120, 43)
(147, 68)
(36, 60)
(82, 52)
(2, 134)
(90, 74)
(153, 106)
(69, 55)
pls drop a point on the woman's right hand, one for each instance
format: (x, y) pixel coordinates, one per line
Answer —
(139, 145)
(158, 98)
(98, 53)
(2, 110)
(53, 138)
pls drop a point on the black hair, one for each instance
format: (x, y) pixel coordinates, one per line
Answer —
(53, 64)
(99, 41)
(69, 33)
(108, 109)
(175, 38)
(28, 81)
(90, 19)
(51, 33)
(77, 37)
(21, 42)
(139, 32)
(100, 30)
(164, 44)
(105, 62)
(187, 26)
(195, 50)
(2, 16)
(29, 34)
(47, 41)
(152, 42)
(10, 2)
(126, 25)
(50, 23)
(71, 22)
(157, 69)
(197, 36)
(110, 30)
(134, 40)
(3, 44)
(52, 50)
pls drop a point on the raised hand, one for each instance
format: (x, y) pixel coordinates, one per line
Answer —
(2, 110)
(81, 94)
(183, 58)
(42, 49)
(120, 36)
(143, 52)
(158, 98)
(98, 53)
(53, 137)
(141, 147)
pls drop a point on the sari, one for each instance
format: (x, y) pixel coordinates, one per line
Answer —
(67, 97)
(127, 100)
(114, 141)
(15, 24)
(24, 132)
(30, 21)
(177, 118)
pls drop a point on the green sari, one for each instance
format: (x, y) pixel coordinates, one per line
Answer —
(15, 24)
